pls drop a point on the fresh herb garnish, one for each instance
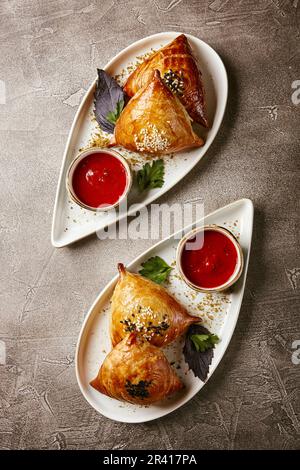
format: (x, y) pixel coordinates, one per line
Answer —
(204, 342)
(199, 350)
(151, 176)
(109, 101)
(113, 116)
(156, 269)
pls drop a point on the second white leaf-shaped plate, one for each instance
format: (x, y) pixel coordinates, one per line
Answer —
(70, 222)
(219, 313)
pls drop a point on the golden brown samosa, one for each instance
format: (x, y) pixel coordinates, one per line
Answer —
(137, 372)
(141, 305)
(154, 121)
(178, 66)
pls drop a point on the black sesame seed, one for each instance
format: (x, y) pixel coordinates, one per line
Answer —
(138, 390)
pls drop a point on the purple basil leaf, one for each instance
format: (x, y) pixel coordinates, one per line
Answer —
(198, 362)
(107, 95)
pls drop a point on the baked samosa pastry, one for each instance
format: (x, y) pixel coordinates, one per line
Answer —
(178, 67)
(137, 372)
(154, 121)
(140, 305)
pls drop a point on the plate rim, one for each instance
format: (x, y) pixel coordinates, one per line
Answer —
(103, 291)
(57, 243)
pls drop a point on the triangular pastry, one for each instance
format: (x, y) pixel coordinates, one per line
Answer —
(137, 372)
(154, 121)
(178, 67)
(140, 305)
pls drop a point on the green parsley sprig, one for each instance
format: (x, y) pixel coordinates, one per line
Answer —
(204, 342)
(113, 116)
(151, 176)
(156, 269)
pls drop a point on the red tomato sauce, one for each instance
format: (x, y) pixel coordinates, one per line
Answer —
(99, 179)
(212, 264)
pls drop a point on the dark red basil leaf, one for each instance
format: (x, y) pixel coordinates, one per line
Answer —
(198, 362)
(107, 96)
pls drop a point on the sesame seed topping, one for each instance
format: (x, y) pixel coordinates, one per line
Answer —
(142, 320)
(151, 139)
(174, 81)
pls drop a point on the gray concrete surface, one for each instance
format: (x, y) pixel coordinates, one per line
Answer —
(49, 52)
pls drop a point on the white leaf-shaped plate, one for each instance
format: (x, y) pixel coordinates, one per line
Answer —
(219, 313)
(70, 222)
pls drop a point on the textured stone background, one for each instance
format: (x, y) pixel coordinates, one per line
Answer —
(49, 51)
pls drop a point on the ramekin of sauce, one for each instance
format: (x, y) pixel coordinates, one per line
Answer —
(209, 259)
(98, 179)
